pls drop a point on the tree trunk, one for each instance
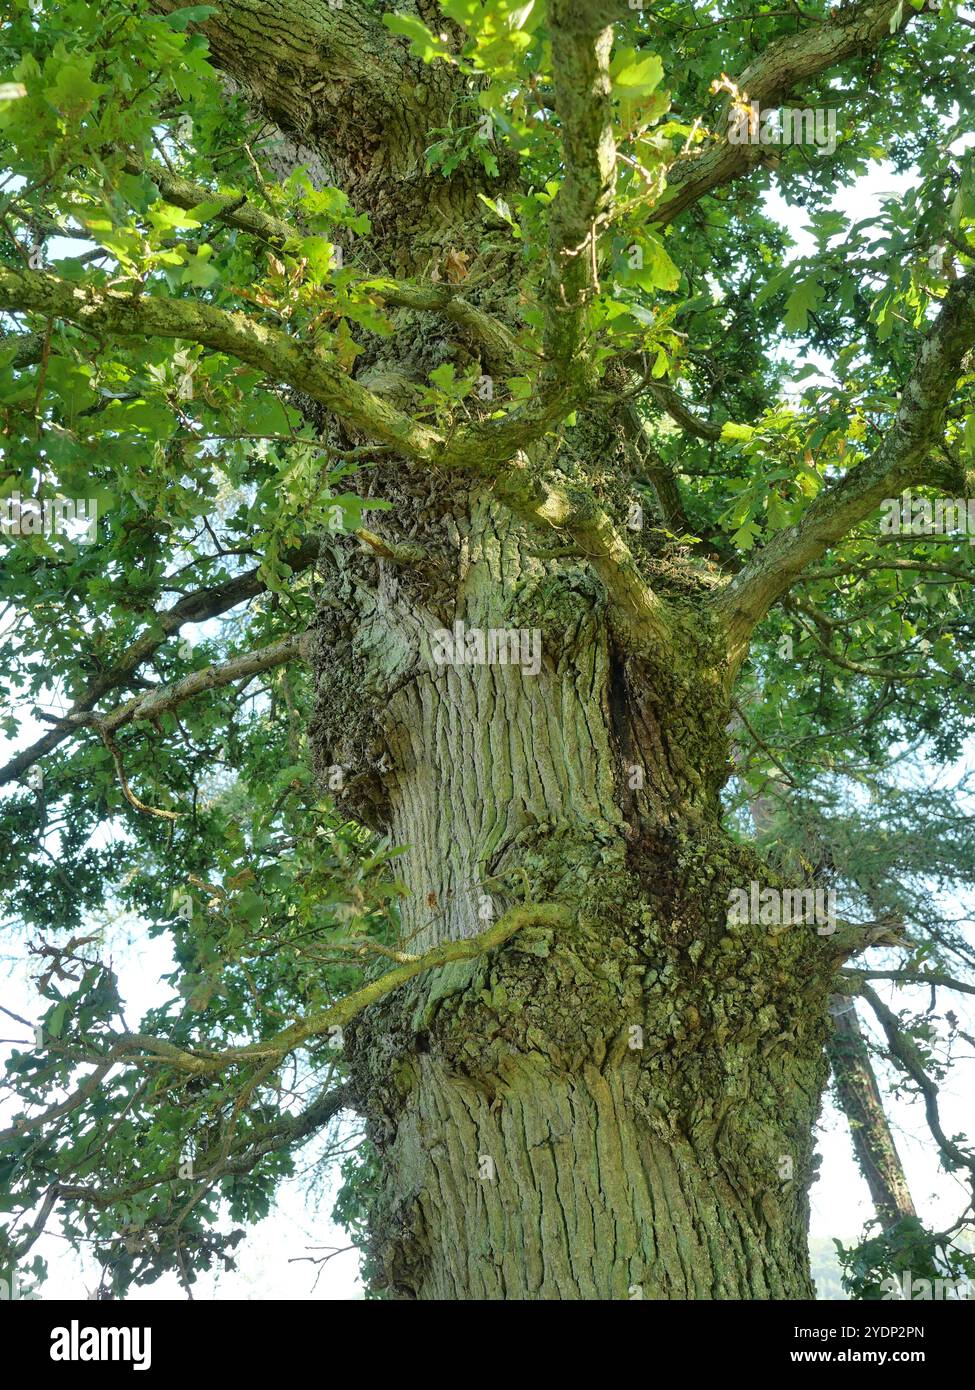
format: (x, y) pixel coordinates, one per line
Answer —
(544, 1182)
(861, 1102)
(619, 1108)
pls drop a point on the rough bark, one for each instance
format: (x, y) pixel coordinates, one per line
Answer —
(620, 1107)
(861, 1102)
(554, 1185)
(346, 99)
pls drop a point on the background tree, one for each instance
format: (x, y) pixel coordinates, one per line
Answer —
(500, 275)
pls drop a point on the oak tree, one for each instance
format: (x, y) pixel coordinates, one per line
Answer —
(492, 562)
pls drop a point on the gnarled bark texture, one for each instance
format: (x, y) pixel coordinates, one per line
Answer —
(622, 1107)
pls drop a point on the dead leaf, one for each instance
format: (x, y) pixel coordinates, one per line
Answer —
(456, 266)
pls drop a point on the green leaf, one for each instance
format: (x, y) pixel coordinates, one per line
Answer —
(641, 77)
(73, 90)
(190, 14)
(56, 1021)
(423, 43)
(803, 298)
(198, 271)
(746, 536)
(167, 218)
(647, 264)
(732, 433)
(251, 906)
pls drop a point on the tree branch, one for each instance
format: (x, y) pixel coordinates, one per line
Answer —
(769, 79)
(141, 1048)
(500, 345)
(908, 1057)
(857, 668)
(287, 1132)
(938, 978)
(582, 38)
(283, 358)
(492, 449)
(861, 1102)
(899, 461)
(534, 495)
(668, 400)
(236, 210)
(661, 478)
(30, 347)
(161, 698)
(193, 608)
(858, 567)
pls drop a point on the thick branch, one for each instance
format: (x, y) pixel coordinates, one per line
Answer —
(141, 1048)
(481, 448)
(284, 359)
(500, 345)
(538, 498)
(661, 478)
(668, 400)
(29, 347)
(861, 1102)
(236, 210)
(581, 44)
(853, 938)
(772, 77)
(899, 462)
(161, 698)
(492, 449)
